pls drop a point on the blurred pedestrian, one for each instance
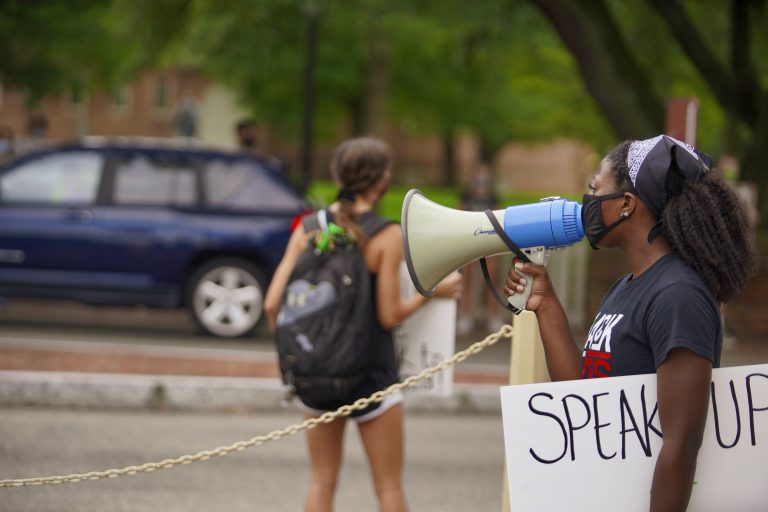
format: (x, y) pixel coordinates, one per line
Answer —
(247, 131)
(688, 245)
(361, 169)
(185, 123)
(478, 196)
(247, 134)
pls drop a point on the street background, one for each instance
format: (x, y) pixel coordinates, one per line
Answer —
(536, 90)
(454, 456)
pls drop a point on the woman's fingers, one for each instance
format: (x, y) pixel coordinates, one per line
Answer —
(516, 281)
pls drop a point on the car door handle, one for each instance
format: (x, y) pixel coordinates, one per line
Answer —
(79, 214)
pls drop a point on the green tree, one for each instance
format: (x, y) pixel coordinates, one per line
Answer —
(47, 47)
(495, 68)
(430, 67)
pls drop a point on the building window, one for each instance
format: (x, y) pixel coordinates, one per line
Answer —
(164, 95)
(121, 101)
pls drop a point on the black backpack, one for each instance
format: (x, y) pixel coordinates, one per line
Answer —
(323, 330)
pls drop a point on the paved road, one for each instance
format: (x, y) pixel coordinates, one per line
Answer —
(453, 463)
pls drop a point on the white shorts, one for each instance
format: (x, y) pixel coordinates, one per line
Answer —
(371, 412)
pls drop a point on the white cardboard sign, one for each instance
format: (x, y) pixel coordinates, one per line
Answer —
(426, 338)
(591, 445)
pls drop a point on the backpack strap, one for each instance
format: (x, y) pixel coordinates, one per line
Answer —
(371, 223)
(311, 221)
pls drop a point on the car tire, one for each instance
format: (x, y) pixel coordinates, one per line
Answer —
(226, 297)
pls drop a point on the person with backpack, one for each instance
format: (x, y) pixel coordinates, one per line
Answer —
(689, 248)
(322, 308)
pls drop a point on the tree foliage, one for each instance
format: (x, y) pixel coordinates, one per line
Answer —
(493, 68)
(712, 50)
(47, 47)
(530, 70)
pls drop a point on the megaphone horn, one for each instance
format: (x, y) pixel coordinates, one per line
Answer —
(438, 240)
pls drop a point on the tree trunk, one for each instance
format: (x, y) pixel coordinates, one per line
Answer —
(737, 88)
(755, 162)
(732, 89)
(610, 71)
(307, 136)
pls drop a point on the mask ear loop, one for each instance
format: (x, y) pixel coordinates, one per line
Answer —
(484, 266)
(622, 217)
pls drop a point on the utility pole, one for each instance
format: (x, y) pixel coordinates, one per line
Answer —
(313, 11)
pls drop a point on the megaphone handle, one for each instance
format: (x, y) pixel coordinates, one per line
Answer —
(520, 299)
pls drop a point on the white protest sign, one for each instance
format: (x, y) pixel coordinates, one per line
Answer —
(591, 445)
(426, 338)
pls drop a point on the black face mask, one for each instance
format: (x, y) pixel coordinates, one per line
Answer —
(592, 217)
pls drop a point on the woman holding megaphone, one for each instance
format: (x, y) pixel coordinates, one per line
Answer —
(679, 226)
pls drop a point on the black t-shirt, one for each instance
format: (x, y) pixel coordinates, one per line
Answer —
(640, 320)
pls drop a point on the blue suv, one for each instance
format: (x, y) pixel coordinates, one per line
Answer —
(153, 223)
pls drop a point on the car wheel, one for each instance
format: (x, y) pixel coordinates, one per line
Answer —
(226, 297)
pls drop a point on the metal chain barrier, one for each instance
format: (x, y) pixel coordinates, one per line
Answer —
(327, 417)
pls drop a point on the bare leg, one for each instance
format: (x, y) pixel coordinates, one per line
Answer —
(383, 442)
(325, 451)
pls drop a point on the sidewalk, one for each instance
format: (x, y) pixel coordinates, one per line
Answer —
(71, 373)
(122, 375)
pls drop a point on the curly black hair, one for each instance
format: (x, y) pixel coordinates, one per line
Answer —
(706, 225)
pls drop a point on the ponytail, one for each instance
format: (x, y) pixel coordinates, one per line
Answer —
(349, 219)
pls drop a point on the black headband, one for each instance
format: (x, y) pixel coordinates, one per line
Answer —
(659, 166)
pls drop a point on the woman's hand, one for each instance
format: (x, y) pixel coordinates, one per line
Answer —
(541, 290)
(451, 287)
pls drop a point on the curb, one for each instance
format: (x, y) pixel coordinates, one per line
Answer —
(212, 394)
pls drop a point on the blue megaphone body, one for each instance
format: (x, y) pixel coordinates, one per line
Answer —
(550, 223)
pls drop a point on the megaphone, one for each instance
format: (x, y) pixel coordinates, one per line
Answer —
(438, 240)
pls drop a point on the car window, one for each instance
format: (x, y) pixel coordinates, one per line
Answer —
(244, 185)
(141, 180)
(61, 178)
